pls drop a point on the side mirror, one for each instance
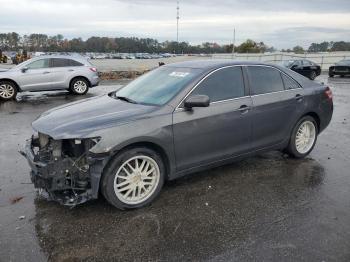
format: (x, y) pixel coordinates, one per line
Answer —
(294, 67)
(24, 69)
(196, 101)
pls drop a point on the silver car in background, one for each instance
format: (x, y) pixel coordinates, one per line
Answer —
(46, 73)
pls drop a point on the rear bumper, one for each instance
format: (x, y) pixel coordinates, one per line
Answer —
(95, 81)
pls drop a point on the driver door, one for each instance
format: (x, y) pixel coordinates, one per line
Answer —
(204, 135)
(35, 76)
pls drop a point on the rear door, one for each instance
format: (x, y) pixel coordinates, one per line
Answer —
(37, 77)
(274, 106)
(60, 71)
(222, 130)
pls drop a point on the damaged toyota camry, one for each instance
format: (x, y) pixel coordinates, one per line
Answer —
(177, 119)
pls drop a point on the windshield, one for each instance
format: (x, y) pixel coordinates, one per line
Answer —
(287, 63)
(158, 86)
(344, 62)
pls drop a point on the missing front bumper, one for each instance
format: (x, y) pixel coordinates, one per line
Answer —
(61, 179)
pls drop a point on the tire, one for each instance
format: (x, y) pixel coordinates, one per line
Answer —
(293, 149)
(313, 75)
(79, 86)
(342, 76)
(330, 75)
(8, 90)
(127, 193)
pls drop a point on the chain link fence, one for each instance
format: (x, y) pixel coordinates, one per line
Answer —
(325, 60)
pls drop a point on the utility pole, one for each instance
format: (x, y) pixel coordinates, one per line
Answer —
(177, 26)
(234, 41)
(177, 21)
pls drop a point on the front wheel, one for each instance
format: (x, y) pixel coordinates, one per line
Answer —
(313, 75)
(303, 138)
(8, 90)
(79, 86)
(133, 179)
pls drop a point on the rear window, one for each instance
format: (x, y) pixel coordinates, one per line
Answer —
(289, 83)
(59, 62)
(74, 63)
(264, 80)
(64, 62)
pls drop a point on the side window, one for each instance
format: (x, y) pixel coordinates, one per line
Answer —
(42, 63)
(264, 80)
(297, 63)
(223, 84)
(307, 63)
(59, 62)
(74, 63)
(289, 83)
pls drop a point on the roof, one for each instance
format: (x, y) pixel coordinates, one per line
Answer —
(215, 63)
(74, 57)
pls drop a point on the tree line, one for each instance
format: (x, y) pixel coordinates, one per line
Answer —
(57, 43)
(321, 47)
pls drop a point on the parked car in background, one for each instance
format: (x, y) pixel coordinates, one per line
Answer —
(342, 68)
(46, 73)
(304, 67)
(177, 119)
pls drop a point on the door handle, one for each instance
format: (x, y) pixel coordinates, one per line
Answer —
(46, 72)
(244, 109)
(70, 70)
(299, 97)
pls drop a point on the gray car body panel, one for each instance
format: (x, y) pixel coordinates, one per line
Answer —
(192, 140)
(50, 78)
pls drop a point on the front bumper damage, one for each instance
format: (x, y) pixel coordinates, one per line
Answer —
(64, 170)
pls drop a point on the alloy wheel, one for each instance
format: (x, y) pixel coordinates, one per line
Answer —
(305, 137)
(80, 86)
(7, 91)
(136, 180)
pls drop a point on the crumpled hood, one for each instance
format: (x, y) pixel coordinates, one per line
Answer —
(82, 118)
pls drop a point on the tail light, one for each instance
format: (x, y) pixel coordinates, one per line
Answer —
(93, 69)
(328, 93)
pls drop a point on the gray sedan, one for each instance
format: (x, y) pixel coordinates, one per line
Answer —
(45, 73)
(177, 119)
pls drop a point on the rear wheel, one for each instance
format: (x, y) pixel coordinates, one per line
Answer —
(304, 137)
(8, 90)
(79, 86)
(313, 75)
(133, 179)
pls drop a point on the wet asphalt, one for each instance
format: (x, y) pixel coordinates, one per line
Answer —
(265, 208)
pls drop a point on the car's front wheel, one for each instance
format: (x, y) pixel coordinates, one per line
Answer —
(79, 86)
(303, 138)
(134, 178)
(313, 75)
(8, 90)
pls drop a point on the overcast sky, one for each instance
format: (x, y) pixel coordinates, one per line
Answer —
(281, 23)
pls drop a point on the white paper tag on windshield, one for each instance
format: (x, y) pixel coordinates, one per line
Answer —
(179, 74)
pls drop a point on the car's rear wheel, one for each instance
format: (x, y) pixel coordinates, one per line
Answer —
(79, 86)
(8, 90)
(303, 138)
(313, 75)
(133, 179)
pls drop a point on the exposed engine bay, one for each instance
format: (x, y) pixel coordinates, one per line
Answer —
(64, 170)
